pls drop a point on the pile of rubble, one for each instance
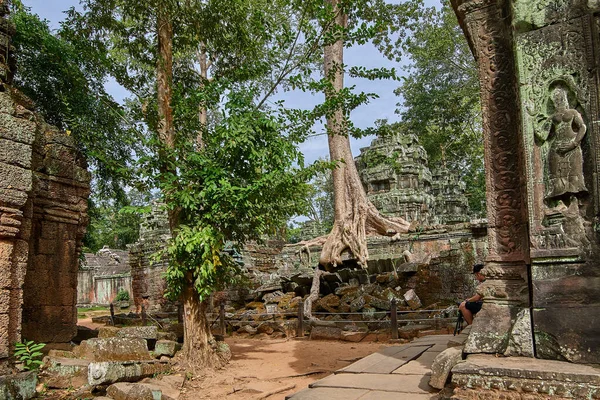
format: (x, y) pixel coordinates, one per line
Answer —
(110, 363)
(351, 312)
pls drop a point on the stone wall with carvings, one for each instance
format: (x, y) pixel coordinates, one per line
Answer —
(44, 186)
(538, 68)
(395, 175)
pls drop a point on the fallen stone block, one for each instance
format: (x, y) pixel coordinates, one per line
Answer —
(61, 353)
(18, 386)
(166, 348)
(412, 299)
(108, 331)
(144, 332)
(247, 329)
(353, 336)
(135, 391)
(170, 385)
(100, 373)
(325, 333)
(166, 336)
(62, 373)
(114, 349)
(443, 364)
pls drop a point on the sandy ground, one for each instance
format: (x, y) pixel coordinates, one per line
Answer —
(279, 366)
(259, 367)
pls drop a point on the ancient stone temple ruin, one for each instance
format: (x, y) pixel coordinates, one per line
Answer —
(44, 186)
(451, 204)
(399, 183)
(148, 265)
(102, 276)
(539, 73)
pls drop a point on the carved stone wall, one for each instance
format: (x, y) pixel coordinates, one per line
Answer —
(557, 48)
(538, 64)
(44, 188)
(487, 24)
(394, 172)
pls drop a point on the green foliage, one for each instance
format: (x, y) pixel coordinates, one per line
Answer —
(28, 353)
(441, 97)
(321, 198)
(111, 225)
(67, 85)
(122, 295)
(243, 185)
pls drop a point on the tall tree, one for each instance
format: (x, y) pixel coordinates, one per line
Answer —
(355, 215)
(441, 97)
(237, 180)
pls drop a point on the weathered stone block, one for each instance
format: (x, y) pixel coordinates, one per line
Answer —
(132, 391)
(520, 340)
(442, 365)
(353, 336)
(19, 386)
(166, 336)
(114, 349)
(100, 373)
(144, 332)
(166, 348)
(108, 332)
(325, 333)
(491, 328)
(62, 373)
(412, 299)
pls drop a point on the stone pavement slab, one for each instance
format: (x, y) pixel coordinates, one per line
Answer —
(328, 393)
(414, 367)
(380, 382)
(377, 395)
(386, 360)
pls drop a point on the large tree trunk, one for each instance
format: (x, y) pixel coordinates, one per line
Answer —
(200, 349)
(355, 216)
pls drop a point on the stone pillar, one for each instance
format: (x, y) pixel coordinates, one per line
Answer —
(487, 25)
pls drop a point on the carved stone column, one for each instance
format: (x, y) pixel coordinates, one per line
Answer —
(506, 305)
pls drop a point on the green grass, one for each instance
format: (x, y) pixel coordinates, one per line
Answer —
(82, 310)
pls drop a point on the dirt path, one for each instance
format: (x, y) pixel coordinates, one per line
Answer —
(259, 367)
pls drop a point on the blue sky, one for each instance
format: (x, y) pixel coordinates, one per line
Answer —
(315, 147)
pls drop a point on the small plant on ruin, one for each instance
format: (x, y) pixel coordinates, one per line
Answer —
(29, 354)
(122, 295)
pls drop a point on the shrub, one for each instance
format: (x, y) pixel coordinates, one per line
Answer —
(29, 353)
(122, 295)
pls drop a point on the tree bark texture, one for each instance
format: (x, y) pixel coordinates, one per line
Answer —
(164, 83)
(200, 349)
(355, 216)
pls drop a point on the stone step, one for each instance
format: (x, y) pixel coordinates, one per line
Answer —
(381, 382)
(386, 360)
